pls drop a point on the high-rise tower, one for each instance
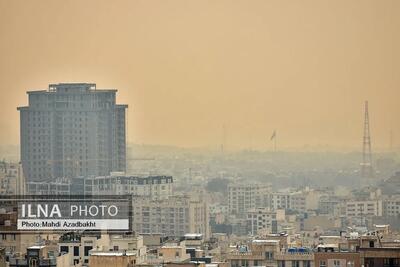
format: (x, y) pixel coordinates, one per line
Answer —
(72, 130)
(366, 165)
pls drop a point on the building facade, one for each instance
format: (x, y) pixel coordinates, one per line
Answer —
(156, 187)
(175, 216)
(263, 220)
(72, 130)
(243, 197)
(364, 208)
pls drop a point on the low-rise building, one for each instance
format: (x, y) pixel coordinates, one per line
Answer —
(256, 253)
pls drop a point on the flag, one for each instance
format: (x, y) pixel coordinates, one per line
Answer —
(273, 135)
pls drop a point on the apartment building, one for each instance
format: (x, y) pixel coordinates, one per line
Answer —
(263, 220)
(118, 250)
(295, 258)
(330, 205)
(364, 208)
(174, 216)
(12, 180)
(279, 200)
(242, 197)
(10, 238)
(256, 253)
(391, 206)
(156, 187)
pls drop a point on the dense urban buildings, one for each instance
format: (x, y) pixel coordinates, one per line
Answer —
(72, 130)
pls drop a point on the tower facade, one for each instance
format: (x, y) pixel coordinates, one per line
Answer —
(72, 130)
(366, 165)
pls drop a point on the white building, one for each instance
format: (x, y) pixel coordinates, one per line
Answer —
(156, 187)
(243, 197)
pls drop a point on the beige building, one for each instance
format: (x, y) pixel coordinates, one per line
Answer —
(263, 220)
(10, 238)
(113, 258)
(174, 216)
(255, 253)
(173, 252)
(294, 259)
(364, 208)
(12, 181)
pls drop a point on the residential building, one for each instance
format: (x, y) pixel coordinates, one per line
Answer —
(174, 216)
(391, 206)
(156, 187)
(295, 258)
(258, 252)
(263, 220)
(242, 197)
(364, 208)
(10, 238)
(279, 200)
(12, 180)
(38, 255)
(79, 246)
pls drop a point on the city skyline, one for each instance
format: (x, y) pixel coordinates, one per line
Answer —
(186, 69)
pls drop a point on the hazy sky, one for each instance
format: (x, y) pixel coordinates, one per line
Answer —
(187, 67)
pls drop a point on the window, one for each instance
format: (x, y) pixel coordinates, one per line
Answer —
(76, 251)
(336, 263)
(350, 264)
(307, 264)
(269, 255)
(322, 263)
(86, 250)
(64, 249)
(295, 264)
